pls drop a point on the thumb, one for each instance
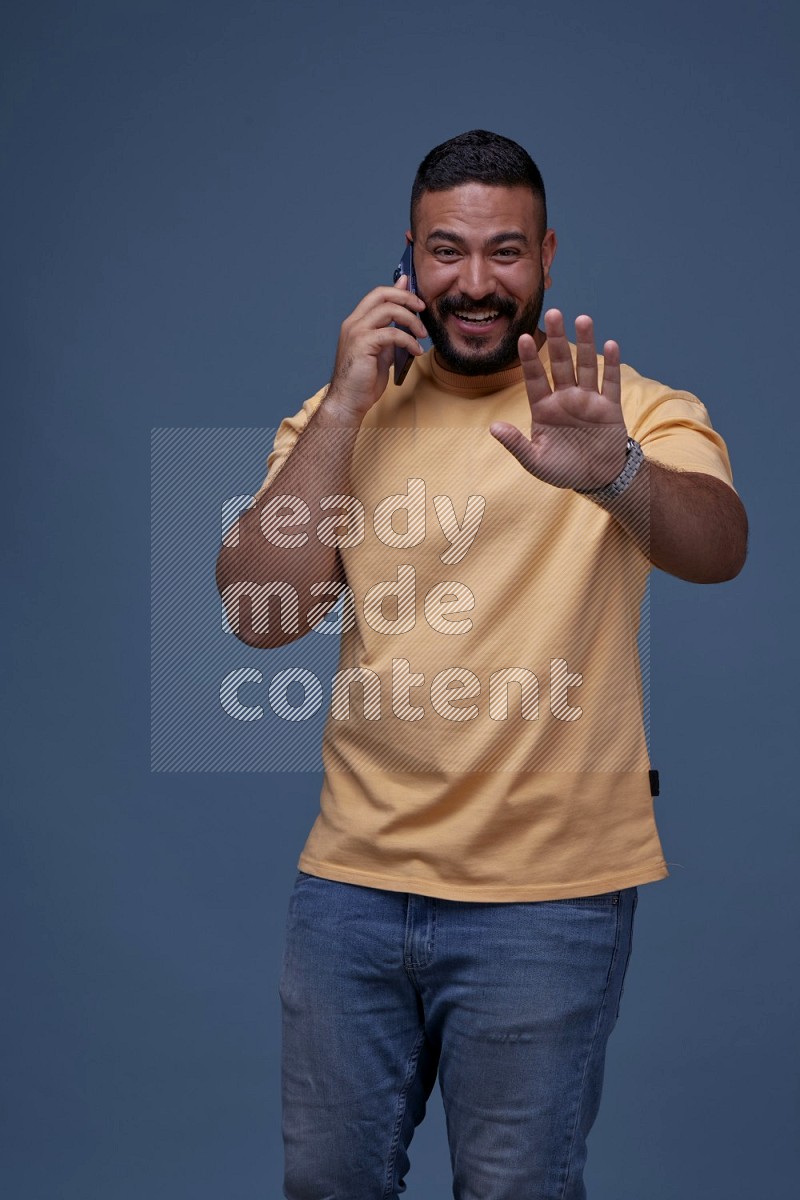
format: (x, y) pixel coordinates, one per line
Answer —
(515, 442)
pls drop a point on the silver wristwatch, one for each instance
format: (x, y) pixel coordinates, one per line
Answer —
(634, 457)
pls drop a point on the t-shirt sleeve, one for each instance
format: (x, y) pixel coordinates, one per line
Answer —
(674, 429)
(288, 434)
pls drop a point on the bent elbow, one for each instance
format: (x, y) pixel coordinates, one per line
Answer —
(733, 568)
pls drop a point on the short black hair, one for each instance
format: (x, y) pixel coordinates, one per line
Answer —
(478, 157)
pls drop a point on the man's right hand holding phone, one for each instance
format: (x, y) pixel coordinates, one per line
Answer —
(366, 350)
(319, 467)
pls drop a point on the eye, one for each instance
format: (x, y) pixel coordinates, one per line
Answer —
(445, 252)
(508, 252)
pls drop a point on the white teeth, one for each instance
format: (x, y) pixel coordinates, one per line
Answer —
(488, 316)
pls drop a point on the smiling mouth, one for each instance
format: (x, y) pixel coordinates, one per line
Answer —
(478, 319)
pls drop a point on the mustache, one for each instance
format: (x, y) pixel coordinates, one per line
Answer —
(465, 304)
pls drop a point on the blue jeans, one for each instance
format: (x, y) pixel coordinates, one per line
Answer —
(511, 1004)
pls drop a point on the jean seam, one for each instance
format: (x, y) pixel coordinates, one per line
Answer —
(598, 1022)
(401, 1112)
(628, 955)
(600, 900)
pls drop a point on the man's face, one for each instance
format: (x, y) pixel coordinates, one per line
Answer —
(482, 265)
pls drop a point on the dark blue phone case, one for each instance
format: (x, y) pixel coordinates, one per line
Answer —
(402, 358)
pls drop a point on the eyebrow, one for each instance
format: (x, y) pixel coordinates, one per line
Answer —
(447, 235)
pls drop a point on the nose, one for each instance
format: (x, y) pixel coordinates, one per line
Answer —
(475, 277)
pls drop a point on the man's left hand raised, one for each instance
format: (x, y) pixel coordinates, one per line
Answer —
(578, 437)
(687, 523)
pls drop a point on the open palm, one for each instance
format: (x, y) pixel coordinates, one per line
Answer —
(578, 435)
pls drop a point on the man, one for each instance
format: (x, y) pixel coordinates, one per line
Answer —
(465, 900)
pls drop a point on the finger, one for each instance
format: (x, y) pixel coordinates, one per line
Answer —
(391, 335)
(612, 389)
(386, 295)
(515, 442)
(536, 382)
(384, 314)
(408, 320)
(409, 298)
(560, 353)
(586, 372)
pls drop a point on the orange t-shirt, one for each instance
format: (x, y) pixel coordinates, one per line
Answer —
(485, 739)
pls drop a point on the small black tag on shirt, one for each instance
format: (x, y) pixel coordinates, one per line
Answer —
(654, 784)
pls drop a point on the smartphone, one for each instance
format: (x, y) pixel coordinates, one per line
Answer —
(402, 358)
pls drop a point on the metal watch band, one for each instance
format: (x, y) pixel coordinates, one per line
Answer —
(633, 461)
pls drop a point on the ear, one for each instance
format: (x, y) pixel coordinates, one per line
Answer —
(409, 237)
(549, 247)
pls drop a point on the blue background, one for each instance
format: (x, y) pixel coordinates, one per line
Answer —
(196, 195)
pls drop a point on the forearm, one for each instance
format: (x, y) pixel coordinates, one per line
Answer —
(688, 524)
(266, 585)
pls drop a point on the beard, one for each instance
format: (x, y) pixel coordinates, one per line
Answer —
(476, 361)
